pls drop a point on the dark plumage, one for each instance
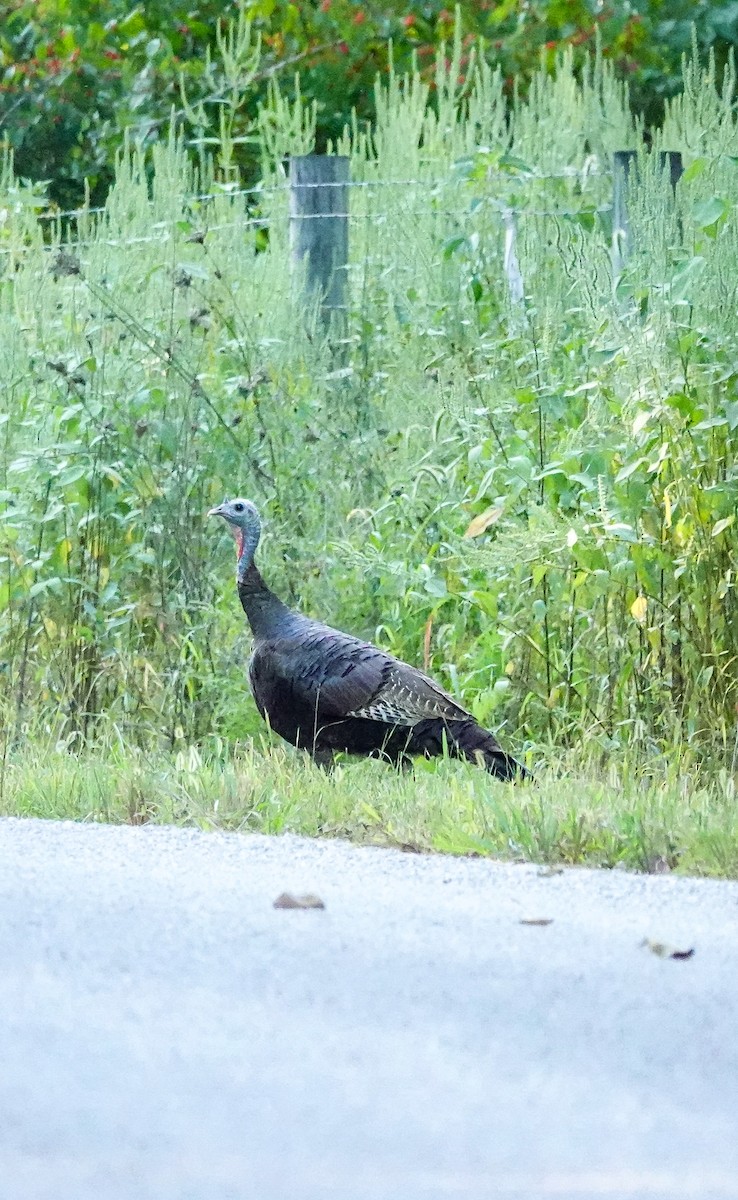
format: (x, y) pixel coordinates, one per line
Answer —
(324, 690)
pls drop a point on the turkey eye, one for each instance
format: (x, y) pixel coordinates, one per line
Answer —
(238, 507)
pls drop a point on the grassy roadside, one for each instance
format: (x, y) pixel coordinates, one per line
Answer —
(664, 819)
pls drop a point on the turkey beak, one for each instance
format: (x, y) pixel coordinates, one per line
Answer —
(217, 511)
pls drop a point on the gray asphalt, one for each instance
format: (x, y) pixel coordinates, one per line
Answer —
(166, 1033)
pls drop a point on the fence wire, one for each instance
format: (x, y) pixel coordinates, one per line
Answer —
(226, 192)
(161, 229)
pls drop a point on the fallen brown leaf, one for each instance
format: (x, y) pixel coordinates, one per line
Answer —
(286, 900)
(664, 951)
(483, 521)
(536, 921)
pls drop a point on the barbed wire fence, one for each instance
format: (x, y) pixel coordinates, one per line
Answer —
(314, 204)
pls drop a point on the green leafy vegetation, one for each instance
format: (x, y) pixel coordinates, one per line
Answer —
(533, 497)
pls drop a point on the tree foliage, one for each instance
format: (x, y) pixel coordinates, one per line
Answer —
(74, 75)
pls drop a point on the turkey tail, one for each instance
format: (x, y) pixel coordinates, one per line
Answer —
(466, 739)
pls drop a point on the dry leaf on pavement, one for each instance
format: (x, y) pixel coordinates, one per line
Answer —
(664, 951)
(287, 900)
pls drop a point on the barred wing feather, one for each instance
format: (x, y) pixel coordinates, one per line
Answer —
(407, 696)
(341, 676)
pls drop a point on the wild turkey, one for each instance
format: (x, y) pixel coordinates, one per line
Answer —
(323, 690)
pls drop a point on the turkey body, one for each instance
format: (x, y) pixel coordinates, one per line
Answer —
(326, 691)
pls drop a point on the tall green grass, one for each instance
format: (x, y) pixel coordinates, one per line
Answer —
(576, 813)
(536, 500)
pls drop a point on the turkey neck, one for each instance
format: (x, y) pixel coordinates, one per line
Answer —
(266, 613)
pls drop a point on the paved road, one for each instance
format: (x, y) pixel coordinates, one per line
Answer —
(165, 1034)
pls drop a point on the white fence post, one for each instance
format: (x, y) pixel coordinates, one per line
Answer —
(511, 265)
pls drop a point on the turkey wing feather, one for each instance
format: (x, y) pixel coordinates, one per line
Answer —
(331, 674)
(340, 676)
(408, 696)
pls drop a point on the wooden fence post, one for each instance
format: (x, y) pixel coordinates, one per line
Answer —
(319, 200)
(673, 160)
(670, 162)
(622, 160)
